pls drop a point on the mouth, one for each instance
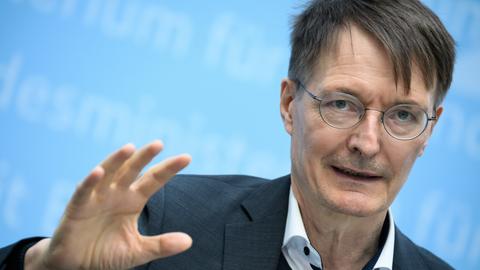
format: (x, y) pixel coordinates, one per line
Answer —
(356, 174)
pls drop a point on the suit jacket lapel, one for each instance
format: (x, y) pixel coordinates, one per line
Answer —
(406, 254)
(255, 242)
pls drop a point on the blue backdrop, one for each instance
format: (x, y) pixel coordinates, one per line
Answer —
(80, 78)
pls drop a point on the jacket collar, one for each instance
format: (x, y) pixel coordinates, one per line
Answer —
(256, 242)
(406, 255)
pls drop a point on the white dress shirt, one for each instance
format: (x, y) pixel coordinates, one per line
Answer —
(299, 253)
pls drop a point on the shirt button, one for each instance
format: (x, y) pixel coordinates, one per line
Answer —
(306, 250)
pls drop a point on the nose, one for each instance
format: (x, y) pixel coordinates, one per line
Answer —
(365, 137)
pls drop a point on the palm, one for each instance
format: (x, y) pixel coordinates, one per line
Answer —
(99, 227)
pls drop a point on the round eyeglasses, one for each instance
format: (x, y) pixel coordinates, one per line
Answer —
(341, 110)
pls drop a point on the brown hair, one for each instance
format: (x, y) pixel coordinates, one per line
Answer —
(409, 31)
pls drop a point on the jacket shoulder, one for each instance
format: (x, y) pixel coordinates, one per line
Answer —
(205, 198)
(201, 206)
(408, 255)
(211, 188)
(187, 181)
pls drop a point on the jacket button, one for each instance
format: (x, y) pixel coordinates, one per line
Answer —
(306, 250)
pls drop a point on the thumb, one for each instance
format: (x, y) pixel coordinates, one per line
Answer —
(168, 244)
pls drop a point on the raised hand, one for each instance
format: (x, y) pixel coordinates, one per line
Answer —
(99, 227)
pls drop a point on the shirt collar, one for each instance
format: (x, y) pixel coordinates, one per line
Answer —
(294, 226)
(295, 233)
(385, 261)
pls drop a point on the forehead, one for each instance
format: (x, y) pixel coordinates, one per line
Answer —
(358, 61)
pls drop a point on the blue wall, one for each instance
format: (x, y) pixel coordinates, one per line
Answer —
(81, 78)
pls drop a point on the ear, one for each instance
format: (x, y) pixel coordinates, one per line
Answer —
(438, 113)
(287, 96)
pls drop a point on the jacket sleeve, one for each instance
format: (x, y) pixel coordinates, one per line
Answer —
(13, 256)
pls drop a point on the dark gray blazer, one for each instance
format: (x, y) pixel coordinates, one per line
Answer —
(236, 222)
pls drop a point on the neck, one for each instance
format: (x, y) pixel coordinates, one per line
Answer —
(343, 241)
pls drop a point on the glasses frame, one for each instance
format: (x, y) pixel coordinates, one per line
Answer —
(365, 109)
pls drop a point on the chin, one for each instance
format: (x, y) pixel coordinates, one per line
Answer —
(356, 205)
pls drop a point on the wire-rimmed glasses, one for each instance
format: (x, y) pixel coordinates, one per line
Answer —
(341, 110)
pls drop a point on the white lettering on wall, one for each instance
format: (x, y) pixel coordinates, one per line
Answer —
(449, 224)
(32, 98)
(458, 130)
(240, 49)
(17, 192)
(56, 201)
(64, 108)
(8, 74)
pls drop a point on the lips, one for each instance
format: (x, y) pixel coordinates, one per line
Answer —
(356, 174)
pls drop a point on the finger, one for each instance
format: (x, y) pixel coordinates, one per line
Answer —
(134, 165)
(85, 188)
(112, 163)
(167, 244)
(158, 175)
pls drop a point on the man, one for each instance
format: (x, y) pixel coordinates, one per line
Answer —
(364, 91)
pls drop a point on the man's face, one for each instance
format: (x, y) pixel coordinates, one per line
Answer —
(324, 157)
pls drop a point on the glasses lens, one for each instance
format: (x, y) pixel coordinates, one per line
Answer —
(405, 121)
(341, 110)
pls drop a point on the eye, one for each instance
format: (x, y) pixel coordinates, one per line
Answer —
(403, 115)
(341, 105)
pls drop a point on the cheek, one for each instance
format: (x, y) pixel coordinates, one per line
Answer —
(306, 139)
(309, 131)
(312, 140)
